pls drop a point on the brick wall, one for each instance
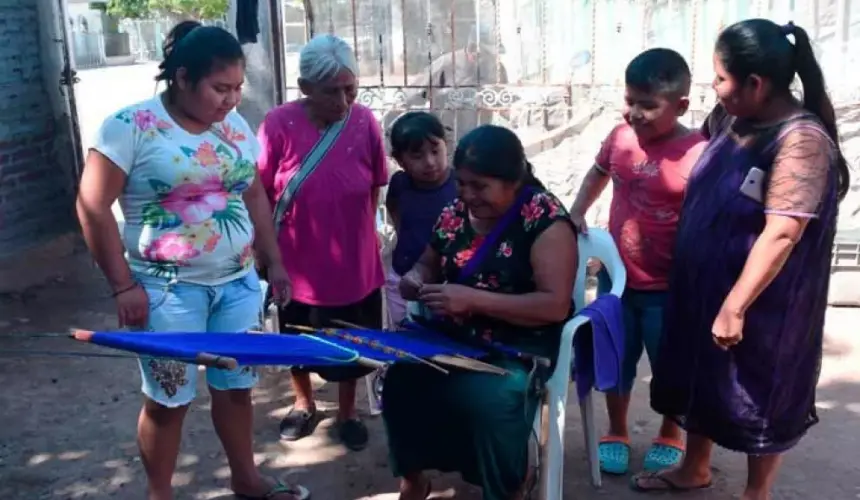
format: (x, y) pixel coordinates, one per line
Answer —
(36, 190)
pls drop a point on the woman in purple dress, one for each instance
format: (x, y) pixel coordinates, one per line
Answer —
(741, 352)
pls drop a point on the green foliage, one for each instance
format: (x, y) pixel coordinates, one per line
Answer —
(189, 9)
(128, 9)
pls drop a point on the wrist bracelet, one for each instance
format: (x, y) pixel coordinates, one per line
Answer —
(126, 289)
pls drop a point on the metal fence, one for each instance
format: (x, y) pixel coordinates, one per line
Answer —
(139, 40)
(553, 69)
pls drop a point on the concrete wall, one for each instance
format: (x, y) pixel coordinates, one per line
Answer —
(37, 159)
(259, 90)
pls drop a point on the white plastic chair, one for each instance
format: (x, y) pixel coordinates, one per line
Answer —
(597, 244)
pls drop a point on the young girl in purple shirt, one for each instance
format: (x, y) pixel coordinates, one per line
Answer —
(416, 195)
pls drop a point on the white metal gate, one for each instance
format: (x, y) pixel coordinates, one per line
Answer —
(553, 69)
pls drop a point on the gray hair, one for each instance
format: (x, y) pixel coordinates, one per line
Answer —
(324, 56)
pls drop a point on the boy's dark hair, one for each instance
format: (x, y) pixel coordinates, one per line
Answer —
(412, 130)
(199, 49)
(659, 71)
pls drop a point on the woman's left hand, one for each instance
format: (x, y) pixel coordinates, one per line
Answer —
(728, 329)
(282, 287)
(447, 299)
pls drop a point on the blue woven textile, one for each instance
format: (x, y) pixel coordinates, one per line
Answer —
(296, 350)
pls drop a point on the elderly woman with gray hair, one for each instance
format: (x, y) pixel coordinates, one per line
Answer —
(323, 165)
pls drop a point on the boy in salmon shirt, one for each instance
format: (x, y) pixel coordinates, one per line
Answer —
(648, 158)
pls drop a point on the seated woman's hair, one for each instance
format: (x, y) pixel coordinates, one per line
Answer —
(410, 132)
(659, 71)
(496, 152)
(199, 49)
(324, 56)
(761, 47)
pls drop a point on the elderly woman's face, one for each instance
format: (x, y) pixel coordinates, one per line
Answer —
(485, 197)
(331, 99)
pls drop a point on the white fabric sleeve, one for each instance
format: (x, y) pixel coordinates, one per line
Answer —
(117, 140)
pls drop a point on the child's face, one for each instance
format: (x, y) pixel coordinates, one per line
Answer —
(652, 115)
(428, 164)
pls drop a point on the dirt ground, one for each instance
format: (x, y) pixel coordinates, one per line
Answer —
(67, 424)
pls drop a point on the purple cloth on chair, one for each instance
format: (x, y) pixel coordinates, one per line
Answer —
(597, 358)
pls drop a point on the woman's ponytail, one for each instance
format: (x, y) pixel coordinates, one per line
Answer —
(815, 98)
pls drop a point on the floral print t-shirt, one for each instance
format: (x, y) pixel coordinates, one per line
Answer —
(185, 218)
(508, 269)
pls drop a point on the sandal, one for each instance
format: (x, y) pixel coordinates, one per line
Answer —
(614, 454)
(296, 490)
(663, 454)
(662, 483)
(297, 424)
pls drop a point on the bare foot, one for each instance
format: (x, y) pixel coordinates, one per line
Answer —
(676, 480)
(756, 495)
(415, 489)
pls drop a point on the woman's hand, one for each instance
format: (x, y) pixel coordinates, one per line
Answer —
(728, 329)
(282, 287)
(132, 307)
(410, 285)
(447, 299)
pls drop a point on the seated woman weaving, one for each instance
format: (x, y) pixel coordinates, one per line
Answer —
(500, 267)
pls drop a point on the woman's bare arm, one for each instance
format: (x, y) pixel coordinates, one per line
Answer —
(798, 181)
(102, 183)
(265, 240)
(554, 261)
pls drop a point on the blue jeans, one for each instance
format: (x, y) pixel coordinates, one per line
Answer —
(643, 327)
(185, 307)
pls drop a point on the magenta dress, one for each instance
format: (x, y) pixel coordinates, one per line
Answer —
(758, 397)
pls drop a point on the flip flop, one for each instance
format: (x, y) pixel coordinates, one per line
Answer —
(614, 454)
(665, 484)
(298, 491)
(663, 454)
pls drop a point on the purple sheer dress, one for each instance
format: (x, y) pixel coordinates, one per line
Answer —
(758, 397)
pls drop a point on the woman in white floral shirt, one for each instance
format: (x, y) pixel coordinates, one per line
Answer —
(182, 166)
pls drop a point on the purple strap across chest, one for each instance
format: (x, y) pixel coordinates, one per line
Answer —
(492, 239)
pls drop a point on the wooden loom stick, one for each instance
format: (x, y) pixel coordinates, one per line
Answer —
(201, 358)
(409, 355)
(457, 360)
(379, 364)
(398, 352)
(361, 360)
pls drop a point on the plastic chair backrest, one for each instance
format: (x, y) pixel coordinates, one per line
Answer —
(598, 244)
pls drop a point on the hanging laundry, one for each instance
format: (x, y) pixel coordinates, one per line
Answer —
(247, 21)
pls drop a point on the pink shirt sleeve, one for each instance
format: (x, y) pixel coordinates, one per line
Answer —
(270, 149)
(379, 163)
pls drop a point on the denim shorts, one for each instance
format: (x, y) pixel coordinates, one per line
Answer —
(643, 327)
(185, 307)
